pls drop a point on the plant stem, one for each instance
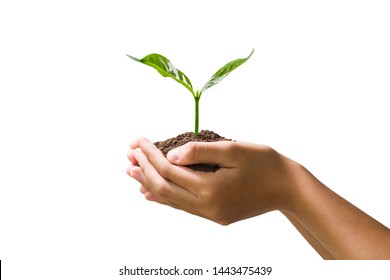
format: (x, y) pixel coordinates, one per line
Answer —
(197, 98)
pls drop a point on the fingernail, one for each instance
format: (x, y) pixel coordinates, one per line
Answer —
(173, 155)
(137, 153)
(134, 144)
(135, 175)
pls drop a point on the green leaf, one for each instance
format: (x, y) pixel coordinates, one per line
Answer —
(224, 71)
(166, 69)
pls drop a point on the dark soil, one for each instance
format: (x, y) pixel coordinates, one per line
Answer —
(203, 136)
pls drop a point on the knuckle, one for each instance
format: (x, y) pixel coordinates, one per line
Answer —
(230, 147)
(196, 151)
(220, 216)
(155, 153)
(162, 166)
(193, 149)
(162, 189)
(164, 170)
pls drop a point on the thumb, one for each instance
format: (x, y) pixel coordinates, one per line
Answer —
(219, 153)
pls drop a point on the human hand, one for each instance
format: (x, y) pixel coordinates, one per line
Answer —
(252, 179)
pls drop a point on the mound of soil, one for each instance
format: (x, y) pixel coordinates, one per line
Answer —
(203, 136)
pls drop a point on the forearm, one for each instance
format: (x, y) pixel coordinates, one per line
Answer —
(344, 230)
(321, 250)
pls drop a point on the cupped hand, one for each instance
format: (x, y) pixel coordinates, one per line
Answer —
(252, 179)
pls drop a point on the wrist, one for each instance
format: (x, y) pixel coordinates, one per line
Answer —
(297, 182)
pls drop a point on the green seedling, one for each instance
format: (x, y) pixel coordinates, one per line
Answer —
(166, 69)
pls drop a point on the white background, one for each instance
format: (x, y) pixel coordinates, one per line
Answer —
(315, 89)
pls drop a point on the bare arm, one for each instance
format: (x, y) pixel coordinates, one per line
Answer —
(255, 179)
(321, 250)
(345, 230)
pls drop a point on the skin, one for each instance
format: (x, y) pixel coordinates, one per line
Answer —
(252, 180)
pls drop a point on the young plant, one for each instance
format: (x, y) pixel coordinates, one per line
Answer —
(166, 69)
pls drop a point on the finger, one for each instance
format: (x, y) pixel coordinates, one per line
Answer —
(182, 177)
(221, 153)
(134, 144)
(128, 169)
(130, 156)
(162, 189)
(143, 190)
(148, 195)
(136, 173)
